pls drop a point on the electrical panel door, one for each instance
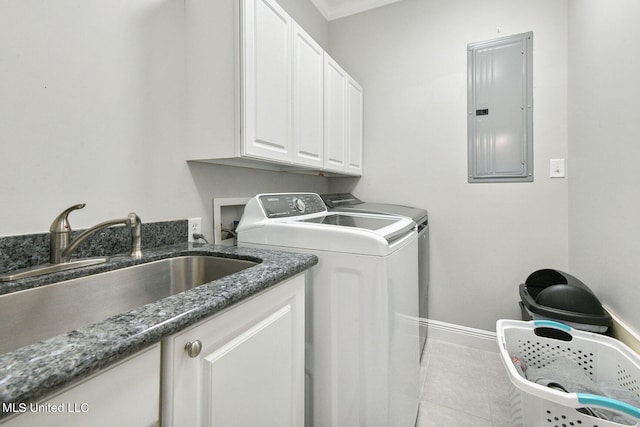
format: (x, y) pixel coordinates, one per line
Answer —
(500, 109)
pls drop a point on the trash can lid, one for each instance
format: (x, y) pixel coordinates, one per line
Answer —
(548, 277)
(570, 298)
(558, 295)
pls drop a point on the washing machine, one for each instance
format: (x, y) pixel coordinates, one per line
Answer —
(362, 338)
(347, 202)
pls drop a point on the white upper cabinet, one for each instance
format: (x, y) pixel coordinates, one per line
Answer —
(343, 120)
(257, 95)
(335, 80)
(267, 81)
(354, 127)
(308, 99)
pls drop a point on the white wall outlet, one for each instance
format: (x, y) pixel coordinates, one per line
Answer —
(194, 227)
(556, 168)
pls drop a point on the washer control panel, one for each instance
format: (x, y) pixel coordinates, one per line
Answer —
(291, 204)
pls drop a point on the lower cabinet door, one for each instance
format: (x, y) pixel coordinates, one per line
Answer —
(244, 367)
(127, 395)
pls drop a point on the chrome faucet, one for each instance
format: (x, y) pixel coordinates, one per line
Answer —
(61, 246)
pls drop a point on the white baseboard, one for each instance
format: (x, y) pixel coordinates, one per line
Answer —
(486, 340)
(463, 335)
(623, 332)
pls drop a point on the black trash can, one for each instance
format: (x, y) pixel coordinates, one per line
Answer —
(556, 295)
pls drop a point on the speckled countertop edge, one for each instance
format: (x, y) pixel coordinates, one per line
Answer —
(40, 369)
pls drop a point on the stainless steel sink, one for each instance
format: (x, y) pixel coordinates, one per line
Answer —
(35, 314)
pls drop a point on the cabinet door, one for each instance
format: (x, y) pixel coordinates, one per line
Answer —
(335, 80)
(126, 394)
(354, 127)
(250, 371)
(266, 81)
(308, 114)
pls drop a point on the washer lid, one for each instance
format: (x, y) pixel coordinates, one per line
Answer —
(391, 228)
(346, 220)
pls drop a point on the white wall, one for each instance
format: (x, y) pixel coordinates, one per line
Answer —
(92, 109)
(410, 57)
(604, 183)
(305, 13)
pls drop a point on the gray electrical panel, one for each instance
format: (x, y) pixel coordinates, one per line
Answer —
(500, 109)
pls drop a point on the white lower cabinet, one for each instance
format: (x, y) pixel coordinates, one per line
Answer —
(246, 366)
(127, 394)
(249, 371)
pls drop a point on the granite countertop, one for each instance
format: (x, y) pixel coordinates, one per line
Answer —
(37, 370)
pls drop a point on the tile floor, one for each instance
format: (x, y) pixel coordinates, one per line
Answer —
(462, 387)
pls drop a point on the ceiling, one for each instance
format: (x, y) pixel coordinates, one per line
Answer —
(334, 9)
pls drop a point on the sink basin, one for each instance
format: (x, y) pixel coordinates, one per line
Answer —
(35, 314)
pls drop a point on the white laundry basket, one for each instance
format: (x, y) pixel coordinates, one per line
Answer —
(539, 343)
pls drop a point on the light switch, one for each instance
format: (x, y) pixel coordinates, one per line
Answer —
(556, 168)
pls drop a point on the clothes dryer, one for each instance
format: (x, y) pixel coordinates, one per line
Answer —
(347, 202)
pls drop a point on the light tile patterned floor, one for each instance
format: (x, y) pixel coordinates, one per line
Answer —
(462, 387)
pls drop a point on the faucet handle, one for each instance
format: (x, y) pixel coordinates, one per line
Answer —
(61, 224)
(135, 225)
